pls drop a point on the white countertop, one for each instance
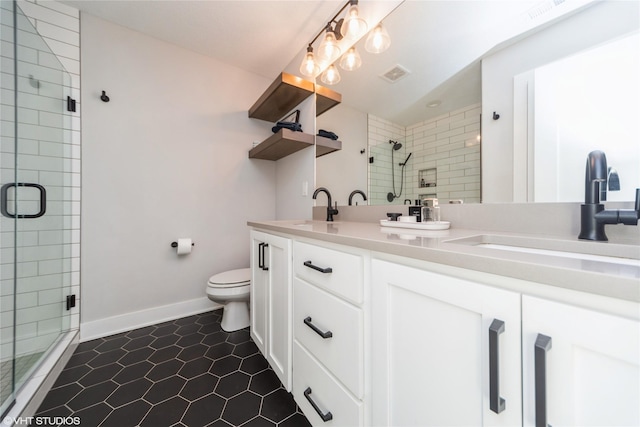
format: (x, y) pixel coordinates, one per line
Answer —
(602, 278)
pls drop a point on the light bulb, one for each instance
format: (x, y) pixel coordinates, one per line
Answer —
(378, 40)
(353, 26)
(309, 66)
(331, 75)
(329, 49)
(351, 60)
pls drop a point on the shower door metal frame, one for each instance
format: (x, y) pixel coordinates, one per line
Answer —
(44, 127)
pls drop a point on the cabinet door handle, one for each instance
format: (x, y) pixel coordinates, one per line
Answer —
(324, 335)
(260, 254)
(496, 403)
(325, 417)
(320, 269)
(541, 347)
(264, 260)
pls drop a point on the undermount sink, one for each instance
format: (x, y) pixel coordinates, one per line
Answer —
(588, 251)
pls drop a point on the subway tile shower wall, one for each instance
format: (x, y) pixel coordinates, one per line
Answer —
(448, 143)
(42, 266)
(380, 132)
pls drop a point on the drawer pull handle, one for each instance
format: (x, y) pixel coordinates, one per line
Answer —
(320, 269)
(541, 347)
(324, 335)
(496, 403)
(325, 417)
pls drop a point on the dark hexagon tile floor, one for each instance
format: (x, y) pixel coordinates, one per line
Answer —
(184, 373)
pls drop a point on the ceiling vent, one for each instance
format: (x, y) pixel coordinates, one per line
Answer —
(398, 72)
(543, 8)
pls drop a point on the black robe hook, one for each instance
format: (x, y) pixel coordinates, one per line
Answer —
(104, 96)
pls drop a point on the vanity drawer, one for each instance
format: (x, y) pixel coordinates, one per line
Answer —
(312, 383)
(337, 271)
(318, 314)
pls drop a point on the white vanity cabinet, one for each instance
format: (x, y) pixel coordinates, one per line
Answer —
(445, 351)
(372, 338)
(271, 299)
(328, 324)
(580, 367)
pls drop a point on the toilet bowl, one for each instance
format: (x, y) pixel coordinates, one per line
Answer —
(231, 289)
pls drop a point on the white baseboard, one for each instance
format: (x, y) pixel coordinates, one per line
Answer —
(138, 319)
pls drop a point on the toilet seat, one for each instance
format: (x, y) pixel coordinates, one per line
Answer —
(230, 279)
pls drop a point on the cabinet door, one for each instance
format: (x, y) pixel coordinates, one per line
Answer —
(259, 291)
(587, 368)
(279, 300)
(431, 350)
(270, 300)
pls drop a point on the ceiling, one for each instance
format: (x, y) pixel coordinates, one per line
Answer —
(440, 42)
(260, 36)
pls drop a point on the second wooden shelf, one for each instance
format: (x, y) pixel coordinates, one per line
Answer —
(281, 144)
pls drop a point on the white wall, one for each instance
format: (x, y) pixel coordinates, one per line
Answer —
(296, 171)
(166, 158)
(571, 121)
(598, 23)
(343, 171)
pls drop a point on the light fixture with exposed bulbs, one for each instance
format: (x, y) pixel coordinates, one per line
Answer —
(351, 60)
(309, 66)
(352, 28)
(329, 50)
(331, 75)
(378, 40)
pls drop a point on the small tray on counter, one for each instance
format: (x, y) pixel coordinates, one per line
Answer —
(429, 225)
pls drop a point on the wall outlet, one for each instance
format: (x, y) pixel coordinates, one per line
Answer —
(305, 188)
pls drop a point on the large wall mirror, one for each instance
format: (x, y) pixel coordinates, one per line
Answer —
(418, 119)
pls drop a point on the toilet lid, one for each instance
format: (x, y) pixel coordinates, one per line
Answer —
(239, 277)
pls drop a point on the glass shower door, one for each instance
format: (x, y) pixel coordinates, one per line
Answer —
(37, 200)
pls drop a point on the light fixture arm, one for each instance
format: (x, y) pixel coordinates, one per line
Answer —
(333, 20)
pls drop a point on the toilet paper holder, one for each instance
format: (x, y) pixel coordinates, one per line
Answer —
(175, 244)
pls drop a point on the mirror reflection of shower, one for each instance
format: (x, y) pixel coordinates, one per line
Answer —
(391, 196)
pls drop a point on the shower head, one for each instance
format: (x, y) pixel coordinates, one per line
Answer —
(396, 145)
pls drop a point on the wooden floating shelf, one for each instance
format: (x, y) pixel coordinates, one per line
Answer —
(284, 94)
(326, 99)
(281, 144)
(325, 146)
(281, 97)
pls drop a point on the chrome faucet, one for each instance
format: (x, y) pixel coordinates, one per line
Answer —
(330, 211)
(593, 216)
(353, 193)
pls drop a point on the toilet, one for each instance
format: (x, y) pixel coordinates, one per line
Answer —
(231, 289)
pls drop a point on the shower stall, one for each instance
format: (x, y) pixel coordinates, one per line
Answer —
(39, 225)
(387, 175)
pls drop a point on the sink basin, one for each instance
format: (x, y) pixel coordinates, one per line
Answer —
(588, 251)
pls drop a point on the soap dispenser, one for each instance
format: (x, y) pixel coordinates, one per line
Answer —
(431, 210)
(416, 211)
